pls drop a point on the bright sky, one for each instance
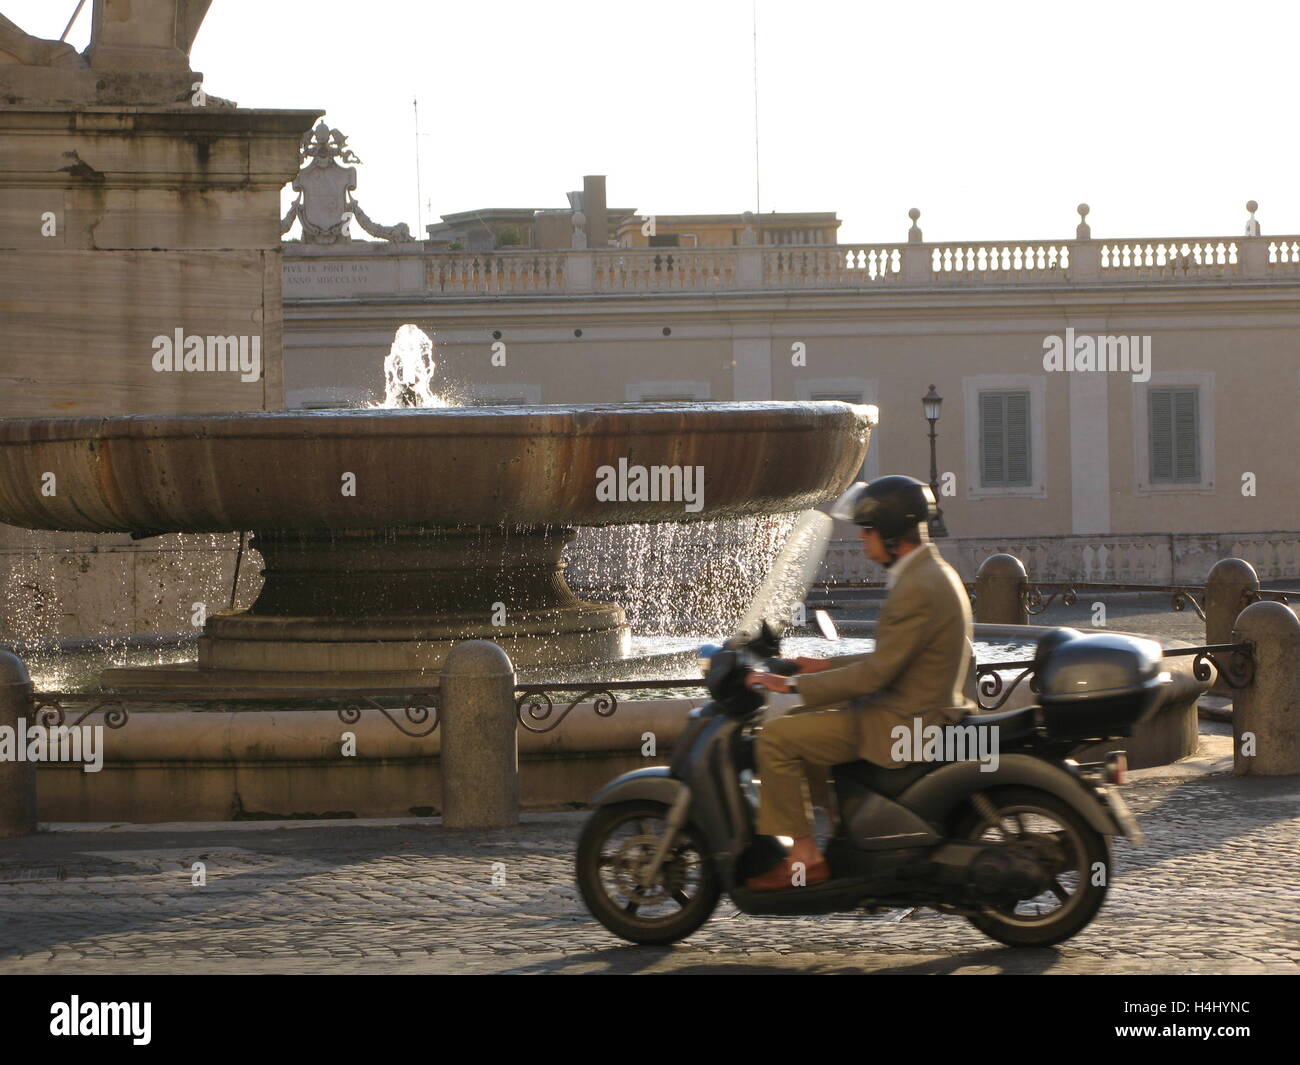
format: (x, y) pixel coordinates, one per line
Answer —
(994, 118)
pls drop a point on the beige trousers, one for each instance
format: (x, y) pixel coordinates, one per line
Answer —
(791, 748)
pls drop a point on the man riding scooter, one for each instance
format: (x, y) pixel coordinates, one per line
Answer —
(851, 704)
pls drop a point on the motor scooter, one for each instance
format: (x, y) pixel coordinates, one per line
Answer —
(1019, 845)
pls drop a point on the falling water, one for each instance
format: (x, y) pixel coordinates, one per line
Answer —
(678, 580)
(672, 580)
(54, 602)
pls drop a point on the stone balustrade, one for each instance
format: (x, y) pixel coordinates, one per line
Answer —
(1021, 261)
(372, 268)
(1135, 558)
(456, 274)
(663, 269)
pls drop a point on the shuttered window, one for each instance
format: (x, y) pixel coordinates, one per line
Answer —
(1004, 439)
(1175, 435)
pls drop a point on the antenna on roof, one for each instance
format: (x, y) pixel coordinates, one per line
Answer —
(64, 35)
(419, 200)
(758, 193)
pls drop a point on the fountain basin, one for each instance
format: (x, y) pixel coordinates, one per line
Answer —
(443, 468)
(387, 535)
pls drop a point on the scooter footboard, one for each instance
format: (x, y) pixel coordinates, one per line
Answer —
(936, 795)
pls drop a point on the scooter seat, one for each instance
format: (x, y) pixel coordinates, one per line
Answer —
(1011, 724)
(888, 782)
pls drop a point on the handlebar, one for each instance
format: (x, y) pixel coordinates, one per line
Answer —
(727, 666)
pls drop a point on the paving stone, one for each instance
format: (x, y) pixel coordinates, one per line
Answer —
(1215, 890)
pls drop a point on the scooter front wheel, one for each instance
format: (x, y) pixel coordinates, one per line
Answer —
(616, 845)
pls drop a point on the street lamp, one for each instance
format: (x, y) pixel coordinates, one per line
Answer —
(930, 403)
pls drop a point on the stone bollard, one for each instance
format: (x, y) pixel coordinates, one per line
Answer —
(998, 584)
(480, 748)
(17, 778)
(1266, 713)
(1226, 587)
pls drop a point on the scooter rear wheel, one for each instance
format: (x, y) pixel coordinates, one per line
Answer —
(615, 844)
(1081, 856)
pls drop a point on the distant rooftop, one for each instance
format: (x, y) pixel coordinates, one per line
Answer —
(490, 228)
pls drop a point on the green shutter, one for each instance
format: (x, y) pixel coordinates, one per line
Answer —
(1005, 459)
(1174, 434)
(1017, 437)
(1162, 434)
(993, 439)
(1187, 444)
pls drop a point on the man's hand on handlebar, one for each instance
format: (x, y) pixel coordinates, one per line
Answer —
(811, 665)
(772, 681)
(779, 681)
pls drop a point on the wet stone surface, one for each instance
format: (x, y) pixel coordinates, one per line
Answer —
(1214, 890)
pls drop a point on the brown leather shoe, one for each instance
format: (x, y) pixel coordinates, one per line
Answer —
(781, 876)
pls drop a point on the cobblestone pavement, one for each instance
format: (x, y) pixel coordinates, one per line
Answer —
(1215, 890)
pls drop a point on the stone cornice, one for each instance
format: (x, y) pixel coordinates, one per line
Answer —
(142, 147)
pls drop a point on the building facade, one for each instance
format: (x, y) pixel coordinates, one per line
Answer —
(1113, 409)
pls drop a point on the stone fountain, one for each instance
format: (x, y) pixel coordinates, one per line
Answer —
(387, 535)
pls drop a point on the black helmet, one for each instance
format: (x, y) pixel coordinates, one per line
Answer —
(890, 505)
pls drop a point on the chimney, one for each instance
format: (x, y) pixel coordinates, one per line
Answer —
(593, 206)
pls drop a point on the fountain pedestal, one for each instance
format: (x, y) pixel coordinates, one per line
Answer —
(136, 205)
(384, 607)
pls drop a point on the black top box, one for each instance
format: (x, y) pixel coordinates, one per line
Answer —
(1097, 685)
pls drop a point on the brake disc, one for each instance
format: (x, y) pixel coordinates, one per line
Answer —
(635, 852)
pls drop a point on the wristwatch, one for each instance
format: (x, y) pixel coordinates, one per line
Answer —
(793, 683)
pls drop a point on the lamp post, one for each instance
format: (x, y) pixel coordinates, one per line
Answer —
(930, 403)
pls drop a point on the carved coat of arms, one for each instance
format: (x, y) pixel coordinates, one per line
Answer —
(325, 204)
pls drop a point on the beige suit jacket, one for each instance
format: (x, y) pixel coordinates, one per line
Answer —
(918, 668)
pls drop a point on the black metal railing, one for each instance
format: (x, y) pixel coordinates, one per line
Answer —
(1031, 595)
(534, 703)
(1234, 661)
(416, 707)
(989, 682)
(414, 711)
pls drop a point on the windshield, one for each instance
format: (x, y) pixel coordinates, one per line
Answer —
(781, 596)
